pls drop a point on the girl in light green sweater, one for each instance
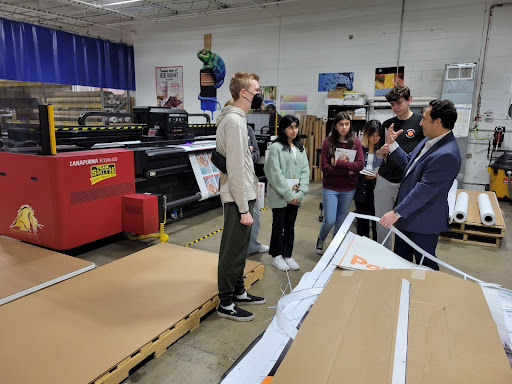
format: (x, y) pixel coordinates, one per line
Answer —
(287, 172)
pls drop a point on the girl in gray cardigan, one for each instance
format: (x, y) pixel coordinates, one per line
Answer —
(287, 172)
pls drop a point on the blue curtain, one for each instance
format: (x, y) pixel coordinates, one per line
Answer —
(33, 53)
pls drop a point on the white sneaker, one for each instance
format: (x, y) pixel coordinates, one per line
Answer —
(280, 264)
(291, 263)
(263, 249)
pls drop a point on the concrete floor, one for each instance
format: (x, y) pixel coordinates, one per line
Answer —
(203, 355)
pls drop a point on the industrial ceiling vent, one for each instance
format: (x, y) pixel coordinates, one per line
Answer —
(460, 71)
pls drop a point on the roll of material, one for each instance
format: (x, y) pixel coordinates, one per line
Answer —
(452, 195)
(486, 212)
(461, 208)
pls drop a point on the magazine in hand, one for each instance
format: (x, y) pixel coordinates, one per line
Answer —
(368, 172)
(294, 184)
(345, 154)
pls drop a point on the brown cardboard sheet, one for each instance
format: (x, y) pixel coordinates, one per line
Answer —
(349, 335)
(25, 268)
(75, 331)
(473, 216)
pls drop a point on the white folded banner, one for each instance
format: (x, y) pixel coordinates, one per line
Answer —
(487, 215)
(365, 254)
(460, 213)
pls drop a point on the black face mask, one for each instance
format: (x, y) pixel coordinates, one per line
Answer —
(256, 100)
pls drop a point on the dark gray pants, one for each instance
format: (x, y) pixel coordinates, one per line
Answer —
(232, 254)
(385, 194)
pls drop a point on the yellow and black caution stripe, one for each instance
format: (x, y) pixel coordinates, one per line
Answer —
(202, 125)
(212, 233)
(204, 237)
(99, 128)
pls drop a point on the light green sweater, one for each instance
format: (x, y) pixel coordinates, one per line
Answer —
(282, 165)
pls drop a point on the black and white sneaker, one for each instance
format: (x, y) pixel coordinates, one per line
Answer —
(236, 314)
(319, 247)
(250, 300)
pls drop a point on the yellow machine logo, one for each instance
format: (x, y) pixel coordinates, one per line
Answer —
(102, 172)
(26, 220)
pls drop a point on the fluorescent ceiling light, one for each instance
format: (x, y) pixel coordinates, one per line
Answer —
(121, 2)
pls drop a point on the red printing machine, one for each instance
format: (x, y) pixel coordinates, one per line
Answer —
(66, 200)
(79, 195)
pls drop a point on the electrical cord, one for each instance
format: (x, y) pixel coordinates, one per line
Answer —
(475, 134)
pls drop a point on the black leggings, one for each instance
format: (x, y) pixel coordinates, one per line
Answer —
(283, 230)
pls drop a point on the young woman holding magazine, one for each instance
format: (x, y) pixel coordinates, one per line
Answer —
(364, 197)
(342, 159)
(287, 172)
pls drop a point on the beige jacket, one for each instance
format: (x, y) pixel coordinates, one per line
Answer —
(240, 185)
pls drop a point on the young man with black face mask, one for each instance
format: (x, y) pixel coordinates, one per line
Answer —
(238, 192)
(256, 101)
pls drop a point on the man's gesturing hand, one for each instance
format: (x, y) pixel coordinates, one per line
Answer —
(392, 135)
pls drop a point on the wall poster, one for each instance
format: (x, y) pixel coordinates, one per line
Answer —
(386, 78)
(293, 105)
(328, 81)
(461, 128)
(169, 87)
(269, 94)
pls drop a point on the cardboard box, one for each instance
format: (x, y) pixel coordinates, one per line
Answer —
(349, 335)
(336, 92)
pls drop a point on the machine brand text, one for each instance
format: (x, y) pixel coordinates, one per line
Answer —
(77, 163)
(102, 172)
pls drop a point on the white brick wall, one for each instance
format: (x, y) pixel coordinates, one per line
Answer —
(290, 52)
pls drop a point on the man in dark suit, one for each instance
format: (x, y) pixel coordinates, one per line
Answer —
(421, 212)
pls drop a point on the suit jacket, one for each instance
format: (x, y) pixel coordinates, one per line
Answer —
(423, 196)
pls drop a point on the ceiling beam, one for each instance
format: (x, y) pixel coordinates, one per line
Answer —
(109, 10)
(203, 14)
(177, 7)
(163, 6)
(55, 16)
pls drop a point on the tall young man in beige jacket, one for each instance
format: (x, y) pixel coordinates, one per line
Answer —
(238, 192)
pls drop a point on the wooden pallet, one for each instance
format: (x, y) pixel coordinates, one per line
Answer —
(478, 229)
(472, 231)
(156, 347)
(472, 238)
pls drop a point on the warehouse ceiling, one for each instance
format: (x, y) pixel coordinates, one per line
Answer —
(106, 18)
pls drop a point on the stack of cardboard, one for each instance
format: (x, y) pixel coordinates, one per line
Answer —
(315, 131)
(350, 334)
(337, 92)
